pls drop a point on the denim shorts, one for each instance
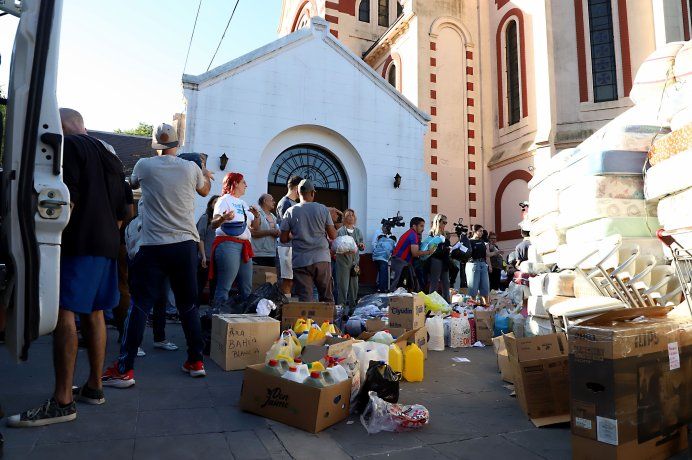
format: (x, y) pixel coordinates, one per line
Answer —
(88, 284)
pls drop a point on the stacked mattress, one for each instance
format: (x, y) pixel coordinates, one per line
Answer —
(668, 182)
(547, 290)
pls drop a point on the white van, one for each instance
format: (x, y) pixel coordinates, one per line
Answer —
(34, 201)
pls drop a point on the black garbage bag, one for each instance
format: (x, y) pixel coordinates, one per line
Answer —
(381, 379)
(265, 291)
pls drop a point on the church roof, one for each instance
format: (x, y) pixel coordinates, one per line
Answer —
(129, 148)
(319, 29)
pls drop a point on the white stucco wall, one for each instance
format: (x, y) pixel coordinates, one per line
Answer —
(307, 88)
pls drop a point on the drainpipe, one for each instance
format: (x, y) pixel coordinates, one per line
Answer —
(481, 104)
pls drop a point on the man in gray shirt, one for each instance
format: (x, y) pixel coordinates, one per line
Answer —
(168, 249)
(307, 225)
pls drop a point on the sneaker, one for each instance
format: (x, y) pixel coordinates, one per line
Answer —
(88, 395)
(47, 414)
(140, 352)
(166, 345)
(113, 378)
(195, 369)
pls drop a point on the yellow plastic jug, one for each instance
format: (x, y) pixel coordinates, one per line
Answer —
(300, 326)
(414, 363)
(396, 358)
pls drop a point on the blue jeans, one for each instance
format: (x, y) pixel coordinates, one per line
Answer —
(229, 266)
(382, 275)
(477, 278)
(150, 268)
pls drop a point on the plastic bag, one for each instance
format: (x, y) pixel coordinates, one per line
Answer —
(382, 337)
(517, 324)
(436, 331)
(265, 307)
(430, 244)
(380, 415)
(460, 332)
(435, 303)
(381, 380)
(501, 323)
(344, 244)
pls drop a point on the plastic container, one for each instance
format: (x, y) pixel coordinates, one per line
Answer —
(396, 358)
(436, 332)
(413, 363)
(293, 375)
(274, 368)
(300, 326)
(335, 374)
(316, 366)
(316, 380)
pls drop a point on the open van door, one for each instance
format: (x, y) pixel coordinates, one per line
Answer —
(34, 201)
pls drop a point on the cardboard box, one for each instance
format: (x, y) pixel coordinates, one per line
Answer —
(301, 406)
(261, 275)
(630, 384)
(238, 341)
(503, 359)
(319, 312)
(540, 372)
(406, 312)
(334, 346)
(485, 323)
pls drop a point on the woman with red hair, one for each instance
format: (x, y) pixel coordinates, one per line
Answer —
(231, 253)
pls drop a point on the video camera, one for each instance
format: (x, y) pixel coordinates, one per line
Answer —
(460, 228)
(391, 222)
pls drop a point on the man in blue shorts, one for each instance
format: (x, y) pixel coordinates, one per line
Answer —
(405, 251)
(88, 269)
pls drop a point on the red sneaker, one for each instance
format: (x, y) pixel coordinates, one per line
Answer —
(195, 369)
(113, 378)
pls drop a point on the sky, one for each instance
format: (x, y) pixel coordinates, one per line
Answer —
(121, 63)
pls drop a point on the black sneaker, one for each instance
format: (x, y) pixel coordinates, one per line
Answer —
(47, 414)
(88, 395)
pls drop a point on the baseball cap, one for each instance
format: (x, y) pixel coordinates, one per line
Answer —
(164, 137)
(306, 185)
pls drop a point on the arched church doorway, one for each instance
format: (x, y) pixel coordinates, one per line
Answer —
(314, 163)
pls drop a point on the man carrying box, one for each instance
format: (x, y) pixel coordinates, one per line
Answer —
(405, 251)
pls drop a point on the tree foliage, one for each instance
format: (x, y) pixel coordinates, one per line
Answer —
(142, 129)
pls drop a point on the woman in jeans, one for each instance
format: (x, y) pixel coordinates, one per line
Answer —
(347, 279)
(232, 248)
(440, 259)
(478, 267)
(496, 261)
(207, 234)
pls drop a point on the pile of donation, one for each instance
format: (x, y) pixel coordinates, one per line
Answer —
(595, 330)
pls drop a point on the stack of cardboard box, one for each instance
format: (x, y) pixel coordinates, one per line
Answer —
(630, 385)
(238, 341)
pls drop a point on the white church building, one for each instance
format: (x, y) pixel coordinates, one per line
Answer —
(306, 105)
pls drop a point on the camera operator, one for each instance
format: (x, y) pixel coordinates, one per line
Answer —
(406, 250)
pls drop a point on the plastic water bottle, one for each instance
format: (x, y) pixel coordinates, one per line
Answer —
(316, 380)
(396, 358)
(414, 362)
(335, 374)
(273, 368)
(293, 375)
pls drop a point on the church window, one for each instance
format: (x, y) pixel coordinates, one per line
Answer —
(400, 8)
(308, 162)
(603, 67)
(383, 13)
(304, 20)
(364, 11)
(512, 69)
(391, 76)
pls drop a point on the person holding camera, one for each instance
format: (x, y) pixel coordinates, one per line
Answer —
(347, 268)
(478, 268)
(232, 253)
(406, 250)
(440, 258)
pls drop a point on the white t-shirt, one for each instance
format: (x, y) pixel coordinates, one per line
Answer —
(227, 203)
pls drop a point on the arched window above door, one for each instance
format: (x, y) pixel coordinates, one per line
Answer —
(391, 75)
(309, 162)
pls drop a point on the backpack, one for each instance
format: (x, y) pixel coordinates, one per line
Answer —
(133, 234)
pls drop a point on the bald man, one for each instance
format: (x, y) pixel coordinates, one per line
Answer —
(264, 239)
(88, 269)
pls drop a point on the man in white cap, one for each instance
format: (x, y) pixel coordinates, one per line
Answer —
(169, 242)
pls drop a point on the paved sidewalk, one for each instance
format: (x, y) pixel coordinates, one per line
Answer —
(172, 416)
